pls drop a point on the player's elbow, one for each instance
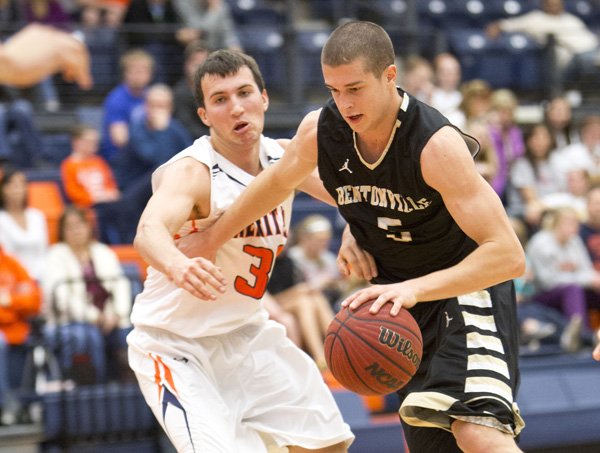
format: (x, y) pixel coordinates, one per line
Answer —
(516, 262)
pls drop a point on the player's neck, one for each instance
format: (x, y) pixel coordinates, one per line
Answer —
(372, 143)
(244, 157)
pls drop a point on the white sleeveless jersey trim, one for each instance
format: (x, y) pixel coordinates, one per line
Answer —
(246, 260)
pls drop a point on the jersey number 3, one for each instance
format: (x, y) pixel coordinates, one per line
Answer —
(392, 226)
(260, 272)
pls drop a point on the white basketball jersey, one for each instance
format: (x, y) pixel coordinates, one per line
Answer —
(246, 260)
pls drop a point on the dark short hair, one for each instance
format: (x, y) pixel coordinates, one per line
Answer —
(224, 63)
(359, 39)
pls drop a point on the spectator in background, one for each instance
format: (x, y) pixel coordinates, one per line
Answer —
(416, 77)
(186, 108)
(486, 159)
(20, 140)
(585, 154)
(533, 177)
(154, 24)
(155, 137)
(87, 297)
(308, 305)
(562, 271)
(590, 229)
(136, 66)
(312, 257)
(20, 300)
(476, 102)
(506, 135)
(23, 229)
(446, 95)
(576, 46)
(558, 116)
(86, 177)
(209, 20)
(590, 234)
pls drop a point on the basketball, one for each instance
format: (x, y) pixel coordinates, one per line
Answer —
(373, 354)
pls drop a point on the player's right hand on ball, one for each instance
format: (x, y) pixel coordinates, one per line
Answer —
(198, 276)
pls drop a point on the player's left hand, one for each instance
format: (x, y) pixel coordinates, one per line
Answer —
(353, 260)
(399, 294)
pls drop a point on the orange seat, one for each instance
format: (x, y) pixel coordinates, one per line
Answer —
(47, 197)
(128, 253)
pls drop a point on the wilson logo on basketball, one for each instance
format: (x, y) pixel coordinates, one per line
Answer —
(393, 340)
(383, 376)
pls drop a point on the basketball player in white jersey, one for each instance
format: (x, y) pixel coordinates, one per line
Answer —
(218, 375)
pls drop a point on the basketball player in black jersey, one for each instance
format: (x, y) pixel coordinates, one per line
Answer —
(405, 181)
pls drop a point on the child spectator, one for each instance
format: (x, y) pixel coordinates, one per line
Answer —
(86, 177)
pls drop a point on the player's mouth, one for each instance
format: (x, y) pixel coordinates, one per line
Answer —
(353, 119)
(241, 127)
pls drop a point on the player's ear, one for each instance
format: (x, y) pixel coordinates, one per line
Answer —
(390, 74)
(265, 98)
(202, 115)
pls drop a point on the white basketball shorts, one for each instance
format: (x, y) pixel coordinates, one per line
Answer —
(218, 394)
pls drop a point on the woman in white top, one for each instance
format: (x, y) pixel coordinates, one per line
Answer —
(23, 229)
(87, 297)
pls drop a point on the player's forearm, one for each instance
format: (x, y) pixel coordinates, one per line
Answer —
(489, 264)
(266, 192)
(155, 244)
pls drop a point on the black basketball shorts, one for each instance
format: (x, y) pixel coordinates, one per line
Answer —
(469, 369)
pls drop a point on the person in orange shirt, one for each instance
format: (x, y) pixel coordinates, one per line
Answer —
(87, 178)
(89, 182)
(20, 299)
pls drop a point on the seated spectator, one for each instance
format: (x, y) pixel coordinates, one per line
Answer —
(23, 229)
(416, 77)
(576, 46)
(312, 256)
(506, 136)
(475, 104)
(184, 98)
(558, 116)
(533, 177)
(583, 154)
(589, 230)
(86, 177)
(486, 159)
(577, 187)
(87, 299)
(155, 137)
(562, 270)
(137, 66)
(209, 20)
(20, 140)
(20, 300)
(446, 95)
(309, 306)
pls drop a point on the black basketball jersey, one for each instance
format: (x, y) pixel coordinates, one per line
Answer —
(392, 212)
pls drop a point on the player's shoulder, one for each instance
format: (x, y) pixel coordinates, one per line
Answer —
(309, 123)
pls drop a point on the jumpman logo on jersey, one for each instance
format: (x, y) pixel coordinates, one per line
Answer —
(448, 319)
(345, 167)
